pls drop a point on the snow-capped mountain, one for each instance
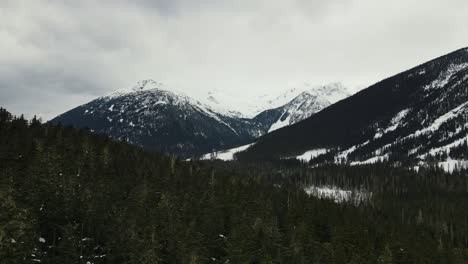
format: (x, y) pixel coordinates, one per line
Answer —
(308, 103)
(159, 118)
(249, 106)
(418, 116)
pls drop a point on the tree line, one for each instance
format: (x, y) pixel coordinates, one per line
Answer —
(71, 196)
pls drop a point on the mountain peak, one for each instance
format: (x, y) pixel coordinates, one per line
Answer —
(147, 84)
(331, 92)
(329, 87)
(142, 85)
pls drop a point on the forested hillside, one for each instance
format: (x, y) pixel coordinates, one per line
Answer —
(69, 196)
(416, 116)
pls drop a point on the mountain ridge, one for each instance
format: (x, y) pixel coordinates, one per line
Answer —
(152, 116)
(426, 92)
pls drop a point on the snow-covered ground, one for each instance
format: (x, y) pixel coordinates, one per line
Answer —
(459, 110)
(445, 149)
(336, 194)
(444, 77)
(452, 165)
(382, 153)
(280, 123)
(343, 155)
(394, 123)
(449, 165)
(308, 155)
(225, 154)
(372, 160)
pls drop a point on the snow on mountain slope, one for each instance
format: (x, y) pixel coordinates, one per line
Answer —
(338, 195)
(308, 103)
(156, 118)
(249, 106)
(300, 106)
(225, 154)
(443, 131)
(450, 165)
(246, 105)
(308, 155)
(417, 116)
(143, 85)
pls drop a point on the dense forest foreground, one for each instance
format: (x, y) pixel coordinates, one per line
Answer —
(69, 196)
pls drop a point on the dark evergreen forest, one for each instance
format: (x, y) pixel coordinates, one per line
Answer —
(70, 196)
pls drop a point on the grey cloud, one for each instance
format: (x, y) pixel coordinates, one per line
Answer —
(73, 51)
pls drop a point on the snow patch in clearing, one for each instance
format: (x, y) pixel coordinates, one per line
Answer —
(308, 155)
(394, 123)
(378, 135)
(160, 102)
(372, 160)
(452, 165)
(336, 194)
(449, 165)
(279, 124)
(445, 148)
(441, 120)
(445, 76)
(225, 154)
(343, 156)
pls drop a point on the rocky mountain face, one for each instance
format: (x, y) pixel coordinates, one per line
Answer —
(306, 104)
(161, 120)
(418, 116)
(151, 116)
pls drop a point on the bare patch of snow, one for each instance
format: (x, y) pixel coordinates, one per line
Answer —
(344, 154)
(441, 120)
(225, 154)
(336, 194)
(160, 102)
(396, 121)
(372, 160)
(308, 155)
(279, 124)
(452, 165)
(446, 148)
(445, 76)
(378, 135)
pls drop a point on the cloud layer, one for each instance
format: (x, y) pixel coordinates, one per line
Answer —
(58, 54)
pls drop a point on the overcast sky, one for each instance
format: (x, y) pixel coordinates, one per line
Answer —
(55, 55)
